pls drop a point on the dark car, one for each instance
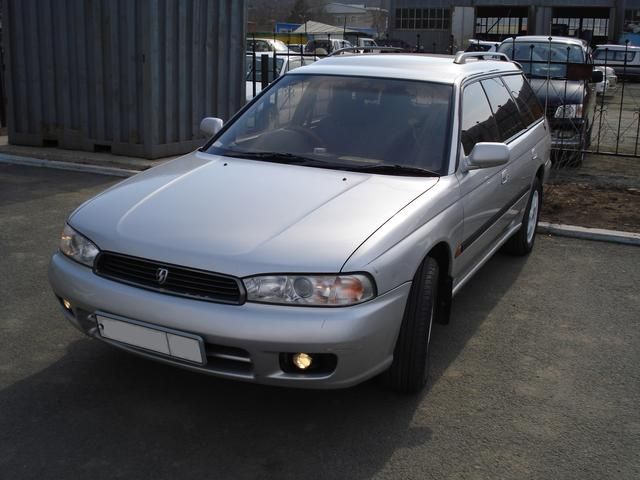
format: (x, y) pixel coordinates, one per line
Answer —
(560, 70)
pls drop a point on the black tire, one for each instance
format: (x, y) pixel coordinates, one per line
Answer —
(409, 370)
(521, 243)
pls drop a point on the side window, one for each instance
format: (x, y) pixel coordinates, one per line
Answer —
(504, 108)
(526, 100)
(478, 124)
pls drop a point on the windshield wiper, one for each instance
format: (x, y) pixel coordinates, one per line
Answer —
(395, 170)
(276, 157)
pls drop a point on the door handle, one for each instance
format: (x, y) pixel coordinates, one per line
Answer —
(505, 176)
(534, 154)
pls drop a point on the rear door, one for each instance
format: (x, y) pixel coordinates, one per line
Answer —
(513, 125)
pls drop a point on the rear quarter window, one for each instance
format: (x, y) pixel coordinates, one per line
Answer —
(504, 108)
(613, 55)
(525, 98)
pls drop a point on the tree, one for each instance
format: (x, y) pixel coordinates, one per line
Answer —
(299, 13)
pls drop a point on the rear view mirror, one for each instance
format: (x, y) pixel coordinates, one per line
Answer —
(210, 126)
(487, 154)
(597, 76)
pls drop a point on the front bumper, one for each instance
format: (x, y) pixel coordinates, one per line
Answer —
(568, 134)
(361, 336)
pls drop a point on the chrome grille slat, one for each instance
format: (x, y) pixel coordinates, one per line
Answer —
(182, 281)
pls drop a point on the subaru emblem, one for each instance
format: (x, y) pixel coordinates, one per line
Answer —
(161, 275)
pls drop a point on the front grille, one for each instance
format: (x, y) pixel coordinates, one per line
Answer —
(182, 281)
(551, 110)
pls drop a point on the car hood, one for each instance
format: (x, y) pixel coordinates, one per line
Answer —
(243, 217)
(560, 92)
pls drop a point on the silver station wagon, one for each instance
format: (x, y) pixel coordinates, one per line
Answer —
(316, 237)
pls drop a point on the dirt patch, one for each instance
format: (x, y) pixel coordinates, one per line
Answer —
(585, 205)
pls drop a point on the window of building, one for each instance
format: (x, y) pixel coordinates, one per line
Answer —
(423, 18)
(498, 23)
(590, 23)
(631, 21)
(573, 26)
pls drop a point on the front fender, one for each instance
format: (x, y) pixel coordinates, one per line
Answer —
(394, 252)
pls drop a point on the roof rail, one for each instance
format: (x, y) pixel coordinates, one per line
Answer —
(366, 50)
(461, 57)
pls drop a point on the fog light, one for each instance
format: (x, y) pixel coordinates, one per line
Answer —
(302, 360)
(66, 303)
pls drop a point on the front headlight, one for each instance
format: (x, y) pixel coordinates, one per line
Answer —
(310, 290)
(77, 247)
(569, 111)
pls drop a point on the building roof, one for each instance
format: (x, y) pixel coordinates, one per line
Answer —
(351, 9)
(318, 27)
(433, 68)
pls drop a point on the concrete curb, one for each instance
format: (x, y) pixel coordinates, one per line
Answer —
(77, 167)
(599, 234)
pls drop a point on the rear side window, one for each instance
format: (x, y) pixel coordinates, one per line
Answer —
(613, 55)
(504, 108)
(521, 91)
(478, 124)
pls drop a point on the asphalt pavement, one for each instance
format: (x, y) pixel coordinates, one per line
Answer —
(536, 377)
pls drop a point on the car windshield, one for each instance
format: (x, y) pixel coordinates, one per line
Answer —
(543, 59)
(279, 63)
(346, 122)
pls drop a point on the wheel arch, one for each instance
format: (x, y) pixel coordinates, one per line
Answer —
(442, 253)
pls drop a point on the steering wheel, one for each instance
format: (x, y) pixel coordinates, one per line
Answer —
(311, 137)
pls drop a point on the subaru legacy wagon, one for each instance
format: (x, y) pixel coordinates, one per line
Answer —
(316, 237)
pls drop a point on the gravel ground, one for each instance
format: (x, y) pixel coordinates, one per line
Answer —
(535, 378)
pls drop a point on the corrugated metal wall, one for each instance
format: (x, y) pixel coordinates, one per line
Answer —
(135, 76)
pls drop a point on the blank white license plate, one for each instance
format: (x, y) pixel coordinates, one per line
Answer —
(167, 343)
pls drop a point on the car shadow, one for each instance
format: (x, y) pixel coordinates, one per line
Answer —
(98, 412)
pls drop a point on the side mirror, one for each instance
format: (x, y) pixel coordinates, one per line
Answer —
(487, 154)
(597, 76)
(210, 126)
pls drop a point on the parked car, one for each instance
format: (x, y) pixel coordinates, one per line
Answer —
(304, 245)
(614, 56)
(609, 84)
(296, 47)
(560, 70)
(284, 63)
(262, 45)
(367, 42)
(481, 46)
(396, 43)
(324, 46)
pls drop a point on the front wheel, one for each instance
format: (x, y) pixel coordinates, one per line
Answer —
(409, 370)
(521, 243)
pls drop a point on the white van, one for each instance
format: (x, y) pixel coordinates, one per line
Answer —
(614, 56)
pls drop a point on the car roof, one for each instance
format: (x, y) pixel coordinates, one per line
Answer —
(544, 38)
(425, 67)
(483, 42)
(618, 47)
